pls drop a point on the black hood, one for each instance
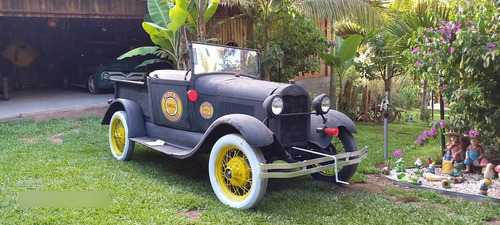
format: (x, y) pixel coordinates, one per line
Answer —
(236, 87)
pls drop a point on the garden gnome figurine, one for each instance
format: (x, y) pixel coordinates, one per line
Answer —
(475, 152)
(418, 166)
(457, 172)
(432, 168)
(447, 165)
(428, 160)
(486, 182)
(454, 146)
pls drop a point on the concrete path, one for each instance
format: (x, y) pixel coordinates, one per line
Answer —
(23, 103)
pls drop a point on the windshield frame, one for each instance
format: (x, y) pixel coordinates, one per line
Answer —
(193, 58)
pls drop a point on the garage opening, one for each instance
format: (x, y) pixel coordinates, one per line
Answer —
(35, 52)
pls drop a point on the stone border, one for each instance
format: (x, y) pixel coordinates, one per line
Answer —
(452, 193)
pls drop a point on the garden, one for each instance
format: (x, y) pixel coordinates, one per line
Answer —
(72, 154)
(391, 60)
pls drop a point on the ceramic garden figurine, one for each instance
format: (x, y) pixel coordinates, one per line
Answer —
(475, 152)
(419, 167)
(445, 183)
(432, 168)
(411, 179)
(457, 172)
(483, 163)
(447, 165)
(400, 163)
(387, 169)
(454, 146)
(486, 182)
(497, 168)
(433, 177)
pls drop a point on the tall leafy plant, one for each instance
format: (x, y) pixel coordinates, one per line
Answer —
(165, 25)
(341, 57)
(162, 24)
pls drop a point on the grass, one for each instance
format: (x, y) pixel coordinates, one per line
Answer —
(152, 188)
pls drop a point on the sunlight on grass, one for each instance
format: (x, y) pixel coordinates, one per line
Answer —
(152, 188)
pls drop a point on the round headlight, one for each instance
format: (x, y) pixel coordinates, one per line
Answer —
(321, 104)
(277, 105)
(325, 104)
(105, 76)
(273, 105)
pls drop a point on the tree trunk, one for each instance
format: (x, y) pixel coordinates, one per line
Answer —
(364, 101)
(250, 29)
(354, 100)
(202, 33)
(333, 90)
(267, 74)
(183, 62)
(340, 92)
(423, 108)
(333, 78)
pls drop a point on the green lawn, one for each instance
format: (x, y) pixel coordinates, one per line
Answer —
(73, 155)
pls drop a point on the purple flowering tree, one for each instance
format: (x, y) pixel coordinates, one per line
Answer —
(460, 54)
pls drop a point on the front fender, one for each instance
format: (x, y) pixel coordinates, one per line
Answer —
(252, 129)
(334, 119)
(135, 118)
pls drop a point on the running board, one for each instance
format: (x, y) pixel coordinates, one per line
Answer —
(164, 147)
(311, 166)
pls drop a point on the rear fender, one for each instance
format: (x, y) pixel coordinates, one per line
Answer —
(334, 119)
(135, 118)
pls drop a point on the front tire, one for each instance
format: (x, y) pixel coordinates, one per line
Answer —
(92, 86)
(343, 143)
(119, 143)
(234, 168)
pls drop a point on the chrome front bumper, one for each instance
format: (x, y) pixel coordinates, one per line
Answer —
(311, 166)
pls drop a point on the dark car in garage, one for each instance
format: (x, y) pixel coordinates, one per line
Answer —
(95, 65)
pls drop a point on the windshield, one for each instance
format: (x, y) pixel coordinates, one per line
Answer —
(207, 58)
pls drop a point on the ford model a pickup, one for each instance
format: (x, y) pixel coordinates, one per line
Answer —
(221, 107)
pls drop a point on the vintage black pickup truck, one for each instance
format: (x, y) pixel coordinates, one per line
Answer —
(253, 129)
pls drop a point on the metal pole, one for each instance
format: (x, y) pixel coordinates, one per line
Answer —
(441, 111)
(385, 138)
(432, 104)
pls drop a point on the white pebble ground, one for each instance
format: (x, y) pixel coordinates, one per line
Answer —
(469, 186)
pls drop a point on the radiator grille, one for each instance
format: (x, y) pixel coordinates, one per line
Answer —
(294, 128)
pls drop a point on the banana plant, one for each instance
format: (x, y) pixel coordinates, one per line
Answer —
(341, 57)
(200, 12)
(163, 22)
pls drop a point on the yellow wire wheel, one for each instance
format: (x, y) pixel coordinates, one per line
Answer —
(119, 143)
(234, 168)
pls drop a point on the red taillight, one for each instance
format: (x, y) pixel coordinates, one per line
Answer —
(192, 95)
(332, 131)
(101, 65)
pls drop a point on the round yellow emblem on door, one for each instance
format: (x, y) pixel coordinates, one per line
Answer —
(206, 110)
(171, 106)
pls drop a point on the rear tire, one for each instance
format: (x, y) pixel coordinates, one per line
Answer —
(119, 143)
(92, 86)
(343, 143)
(234, 168)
